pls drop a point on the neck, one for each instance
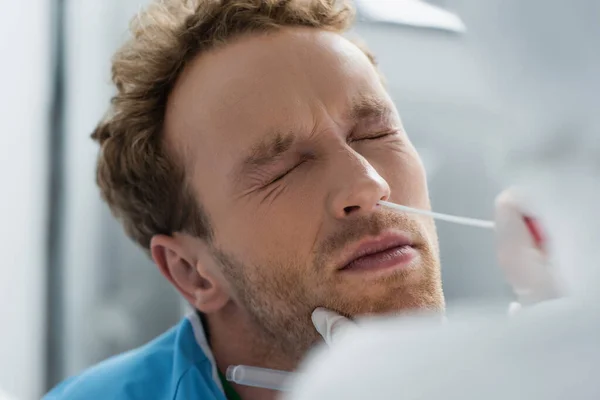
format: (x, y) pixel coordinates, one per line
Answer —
(235, 340)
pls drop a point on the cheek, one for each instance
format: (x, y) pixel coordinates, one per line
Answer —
(405, 174)
(278, 233)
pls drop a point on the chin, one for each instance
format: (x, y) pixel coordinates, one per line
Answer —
(393, 295)
(391, 302)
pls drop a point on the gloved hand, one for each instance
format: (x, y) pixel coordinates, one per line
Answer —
(522, 255)
(522, 251)
(330, 325)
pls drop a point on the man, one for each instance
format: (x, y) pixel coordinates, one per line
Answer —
(543, 58)
(246, 149)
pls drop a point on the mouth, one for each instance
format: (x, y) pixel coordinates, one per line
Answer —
(384, 252)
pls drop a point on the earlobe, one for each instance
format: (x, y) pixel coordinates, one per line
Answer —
(180, 260)
(211, 300)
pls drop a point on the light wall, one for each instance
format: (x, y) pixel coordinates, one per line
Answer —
(24, 115)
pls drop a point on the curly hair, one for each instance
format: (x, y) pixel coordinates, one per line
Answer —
(137, 173)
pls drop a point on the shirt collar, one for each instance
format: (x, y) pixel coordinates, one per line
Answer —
(202, 340)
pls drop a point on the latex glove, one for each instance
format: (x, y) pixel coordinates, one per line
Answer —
(330, 325)
(521, 246)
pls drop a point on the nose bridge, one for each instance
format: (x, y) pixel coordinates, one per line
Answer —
(357, 185)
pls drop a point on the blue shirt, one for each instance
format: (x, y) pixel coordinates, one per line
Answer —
(177, 365)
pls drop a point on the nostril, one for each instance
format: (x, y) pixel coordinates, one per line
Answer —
(351, 209)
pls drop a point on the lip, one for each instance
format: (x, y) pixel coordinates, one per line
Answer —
(383, 251)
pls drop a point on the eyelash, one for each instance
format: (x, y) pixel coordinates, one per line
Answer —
(376, 137)
(283, 175)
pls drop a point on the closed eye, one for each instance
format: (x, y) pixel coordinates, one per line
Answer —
(283, 175)
(375, 137)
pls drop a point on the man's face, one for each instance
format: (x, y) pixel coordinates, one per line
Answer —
(290, 140)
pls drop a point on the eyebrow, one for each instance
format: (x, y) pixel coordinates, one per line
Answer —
(267, 150)
(276, 144)
(366, 107)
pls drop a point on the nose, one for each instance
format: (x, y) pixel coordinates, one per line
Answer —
(358, 188)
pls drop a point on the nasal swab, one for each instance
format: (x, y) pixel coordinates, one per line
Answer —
(260, 377)
(479, 223)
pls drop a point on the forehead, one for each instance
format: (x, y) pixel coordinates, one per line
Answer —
(226, 100)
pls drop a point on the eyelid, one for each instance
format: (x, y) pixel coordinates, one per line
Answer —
(284, 174)
(377, 136)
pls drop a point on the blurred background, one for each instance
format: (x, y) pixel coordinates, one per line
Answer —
(74, 290)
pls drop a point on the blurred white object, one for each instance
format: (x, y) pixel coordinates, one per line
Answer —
(5, 396)
(259, 377)
(521, 246)
(411, 12)
(526, 357)
(330, 325)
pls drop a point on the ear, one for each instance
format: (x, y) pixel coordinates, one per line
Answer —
(188, 264)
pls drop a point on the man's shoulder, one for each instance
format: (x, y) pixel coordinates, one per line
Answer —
(155, 370)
